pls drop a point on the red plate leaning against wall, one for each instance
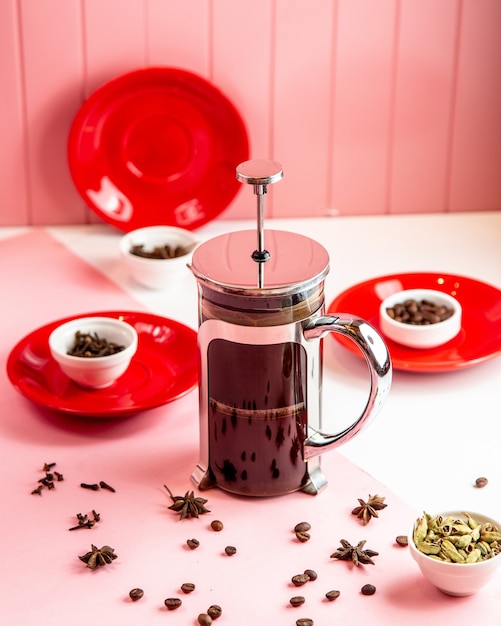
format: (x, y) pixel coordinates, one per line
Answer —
(157, 146)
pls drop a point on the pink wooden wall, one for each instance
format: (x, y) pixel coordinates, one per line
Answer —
(372, 106)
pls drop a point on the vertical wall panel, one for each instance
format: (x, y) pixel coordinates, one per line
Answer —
(178, 34)
(115, 39)
(241, 68)
(425, 79)
(51, 39)
(302, 104)
(363, 104)
(13, 173)
(476, 158)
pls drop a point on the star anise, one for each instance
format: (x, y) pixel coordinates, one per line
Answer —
(354, 553)
(97, 557)
(187, 505)
(369, 509)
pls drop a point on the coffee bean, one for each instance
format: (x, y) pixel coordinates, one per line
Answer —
(300, 579)
(368, 590)
(481, 482)
(303, 537)
(217, 525)
(419, 313)
(302, 527)
(304, 621)
(332, 595)
(402, 540)
(173, 603)
(230, 550)
(214, 611)
(187, 587)
(311, 573)
(297, 600)
(136, 594)
(193, 543)
(204, 619)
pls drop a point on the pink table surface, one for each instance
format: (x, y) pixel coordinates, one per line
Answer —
(43, 582)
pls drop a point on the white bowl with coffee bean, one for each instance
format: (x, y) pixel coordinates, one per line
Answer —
(420, 318)
(156, 256)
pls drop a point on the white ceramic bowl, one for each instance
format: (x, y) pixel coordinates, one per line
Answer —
(157, 273)
(416, 335)
(94, 372)
(456, 579)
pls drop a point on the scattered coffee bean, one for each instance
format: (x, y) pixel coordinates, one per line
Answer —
(332, 595)
(368, 590)
(214, 611)
(481, 482)
(311, 573)
(193, 543)
(173, 603)
(230, 550)
(300, 579)
(217, 525)
(402, 540)
(302, 527)
(303, 537)
(297, 600)
(136, 594)
(419, 312)
(304, 621)
(204, 619)
(187, 587)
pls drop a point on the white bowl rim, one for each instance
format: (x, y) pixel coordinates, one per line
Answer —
(450, 565)
(92, 320)
(401, 296)
(128, 238)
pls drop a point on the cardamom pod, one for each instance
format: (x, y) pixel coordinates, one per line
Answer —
(428, 548)
(420, 529)
(490, 536)
(450, 551)
(474, 556)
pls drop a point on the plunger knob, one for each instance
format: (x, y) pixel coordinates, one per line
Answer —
(260, 173)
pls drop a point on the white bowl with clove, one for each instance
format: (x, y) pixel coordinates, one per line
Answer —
(420, 318)
(456, 551)
(93, 351)
(156, 256)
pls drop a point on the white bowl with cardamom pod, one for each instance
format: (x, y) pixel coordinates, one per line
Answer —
(461, 554)
(420, 318)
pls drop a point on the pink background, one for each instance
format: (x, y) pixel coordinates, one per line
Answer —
(386, 106)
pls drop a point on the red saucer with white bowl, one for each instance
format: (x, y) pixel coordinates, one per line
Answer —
(478, 340)
(164, 368)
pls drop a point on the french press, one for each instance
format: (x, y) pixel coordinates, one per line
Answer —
(261, 321)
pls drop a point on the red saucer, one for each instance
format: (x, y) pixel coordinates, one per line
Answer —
(157, 146)
(478, 340)
(164, 368)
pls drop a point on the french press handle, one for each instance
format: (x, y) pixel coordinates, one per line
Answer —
(376, 354)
